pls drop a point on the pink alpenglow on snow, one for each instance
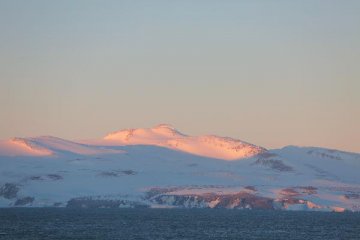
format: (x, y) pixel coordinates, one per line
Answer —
(22, 147)
(165, 135)
(147, 166)
(47, 146)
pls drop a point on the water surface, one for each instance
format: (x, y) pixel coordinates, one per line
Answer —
(57, 223)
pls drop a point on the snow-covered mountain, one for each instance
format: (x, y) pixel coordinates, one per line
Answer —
(167, 136)
(161, 167)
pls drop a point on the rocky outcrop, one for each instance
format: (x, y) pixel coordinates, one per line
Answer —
(240, 200)
(352, 196)
(24, 201)
(9, 190)
(271, 160)
(275, 164)
(117, 173)
(53, 177)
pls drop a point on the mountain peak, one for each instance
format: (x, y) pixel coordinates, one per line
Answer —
(165, 135)
(151, 136)
(164, 125)
(166, 130)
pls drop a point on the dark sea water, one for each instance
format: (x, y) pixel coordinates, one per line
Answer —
(47, 223)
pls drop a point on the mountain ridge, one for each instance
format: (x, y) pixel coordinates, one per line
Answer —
(171, 172)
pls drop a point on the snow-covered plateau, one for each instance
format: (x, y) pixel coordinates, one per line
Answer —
(160, 167)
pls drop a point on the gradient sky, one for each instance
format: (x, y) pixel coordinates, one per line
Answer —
(273, 73)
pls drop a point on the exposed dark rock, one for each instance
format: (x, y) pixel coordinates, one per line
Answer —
(128, 172)
(245, 200)
(57, 204)
(240, 200)
(109, 174)
(54, 177)
(24, 201)
(9, 190)
(36, 178)
(251, 188)
(324, 155)
(117, 173)
(274, 164)
(352, 196)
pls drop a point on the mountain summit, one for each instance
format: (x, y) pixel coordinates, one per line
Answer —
(165, 135)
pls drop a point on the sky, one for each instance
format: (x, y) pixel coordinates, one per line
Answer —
(272, 73)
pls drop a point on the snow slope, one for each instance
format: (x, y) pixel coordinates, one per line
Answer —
(161, 167)
(165, 135)
(47, 145)
(22, 147)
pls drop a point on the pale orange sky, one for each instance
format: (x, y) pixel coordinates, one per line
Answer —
(272, 73)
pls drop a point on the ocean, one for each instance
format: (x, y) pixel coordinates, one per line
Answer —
(64, 223)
